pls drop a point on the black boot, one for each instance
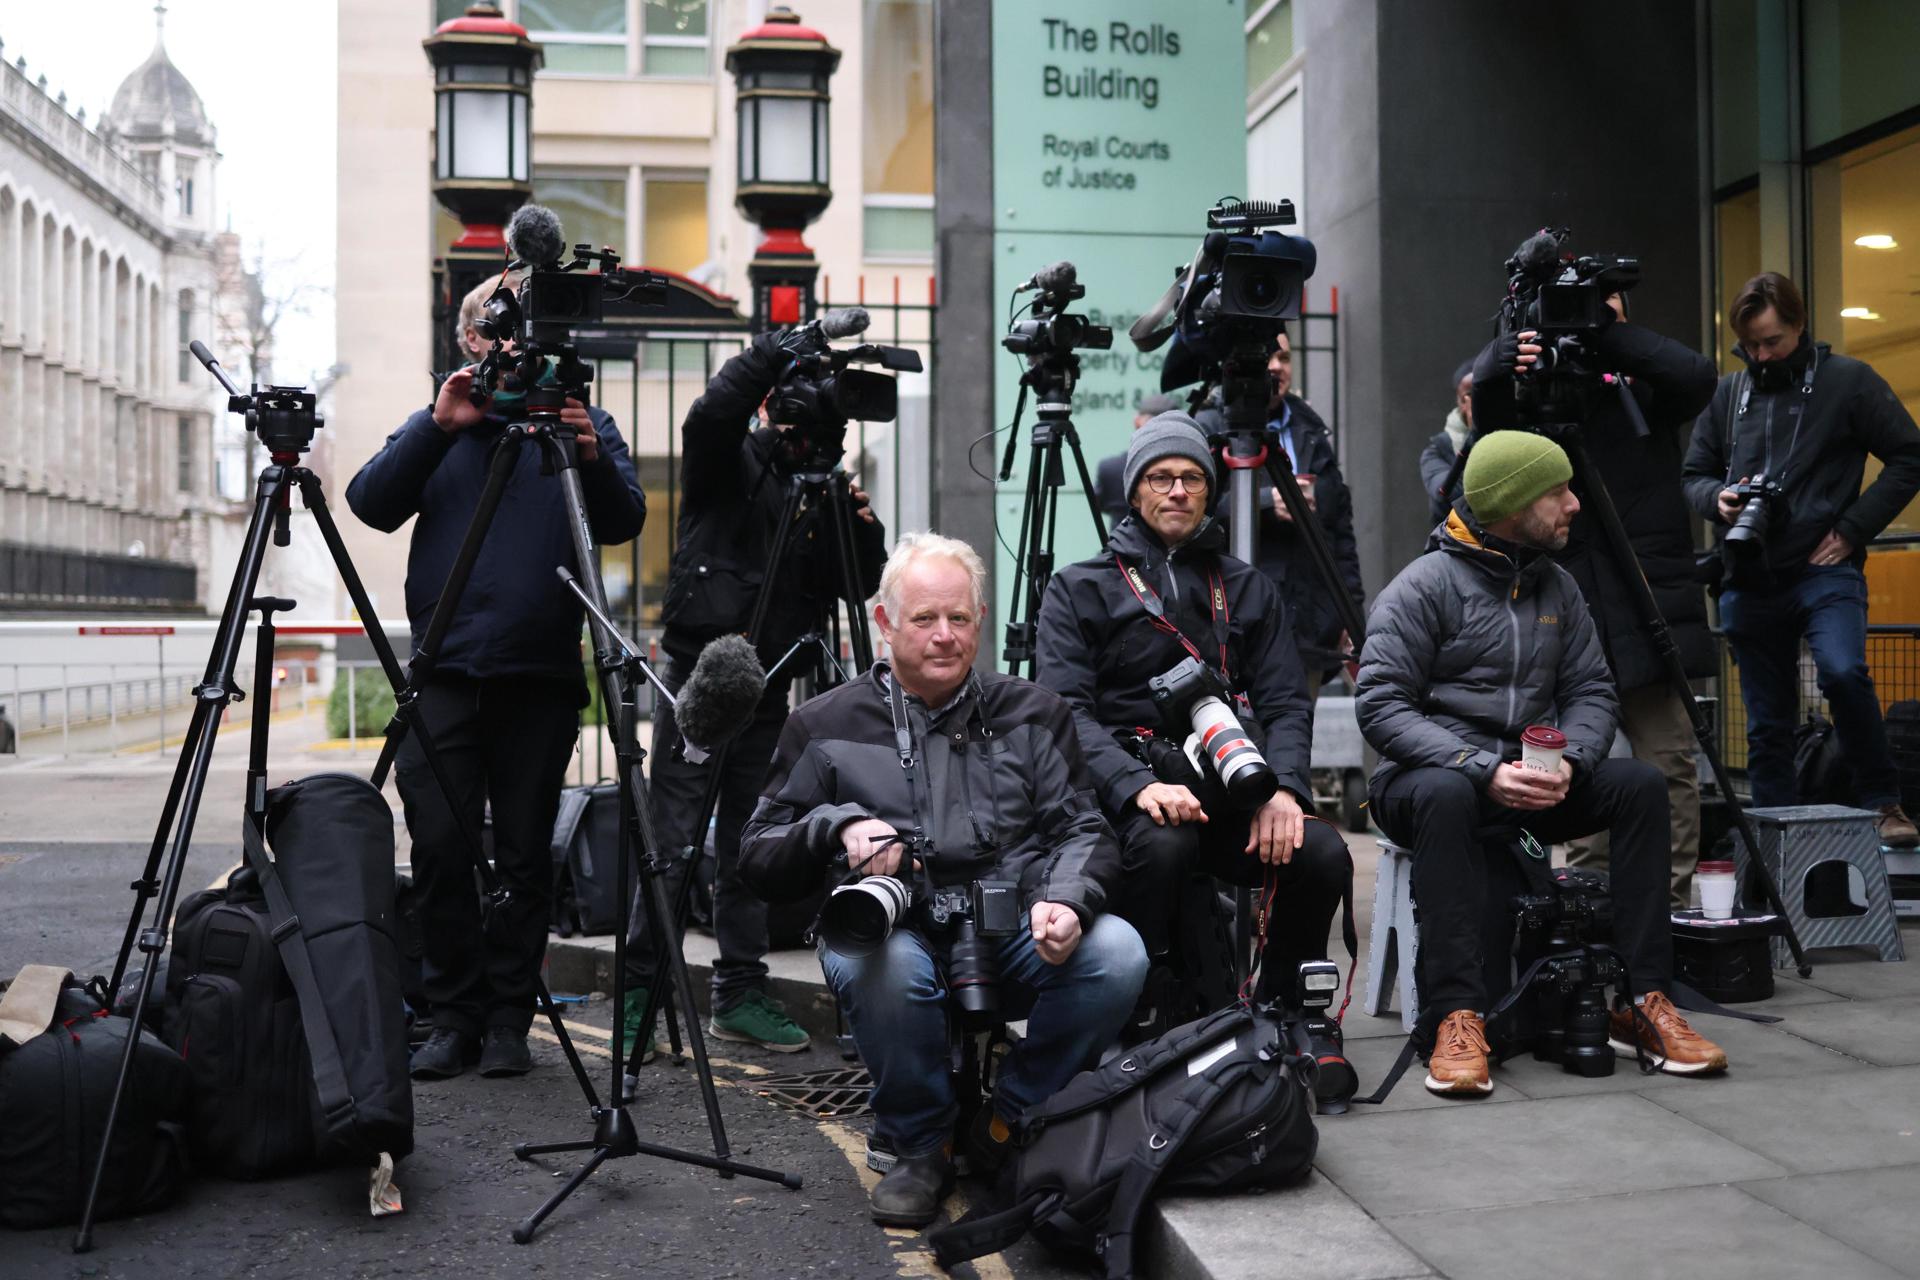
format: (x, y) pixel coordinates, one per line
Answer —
(446, 1054)
(505, 1053)
(910, 1194)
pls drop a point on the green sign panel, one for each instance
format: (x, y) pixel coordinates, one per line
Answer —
(1116, 124)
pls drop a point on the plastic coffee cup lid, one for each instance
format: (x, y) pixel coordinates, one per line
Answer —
(1544, 736)
(1714, 867)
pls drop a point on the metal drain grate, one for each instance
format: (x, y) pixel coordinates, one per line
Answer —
(825, 1095)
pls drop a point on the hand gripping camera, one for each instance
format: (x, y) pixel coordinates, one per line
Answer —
(1564, 300)
(1745, 547)
(1194, 697)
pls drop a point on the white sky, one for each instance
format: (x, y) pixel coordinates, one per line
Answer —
(265, 71)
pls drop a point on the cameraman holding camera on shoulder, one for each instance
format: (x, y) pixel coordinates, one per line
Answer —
(734, 480)
(968, 789)
(1779, 456)
(1166, 592)
(1670, 383)
(1474, 644)
(504, 700)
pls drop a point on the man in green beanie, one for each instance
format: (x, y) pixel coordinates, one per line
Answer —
(1476, 641)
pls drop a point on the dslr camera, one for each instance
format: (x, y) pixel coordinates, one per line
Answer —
(1745, 547)
(1566, 932)
(1194, 698)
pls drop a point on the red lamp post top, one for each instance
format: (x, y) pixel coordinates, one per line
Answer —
(481, 20)
(782, 32)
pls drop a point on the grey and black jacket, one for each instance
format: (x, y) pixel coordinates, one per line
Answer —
(1003, 791)
(1473, 642)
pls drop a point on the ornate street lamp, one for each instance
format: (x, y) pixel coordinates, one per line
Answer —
(483, 69)
(781, 104)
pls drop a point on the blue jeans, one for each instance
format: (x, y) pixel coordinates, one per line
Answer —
(1828, 605)
(895, 1001)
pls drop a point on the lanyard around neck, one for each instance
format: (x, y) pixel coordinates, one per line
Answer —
(1156, 610)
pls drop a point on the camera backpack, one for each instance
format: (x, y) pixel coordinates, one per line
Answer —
(286, 990)
(586, 862)
(1221, 1104)
(60, 1053)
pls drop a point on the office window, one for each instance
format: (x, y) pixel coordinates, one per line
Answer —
(184, 466)
(1269, 41)
(1858, 64)
(186, 334)
(581, 37)
(592, 209)
(1736, 235)
(898, 129)
(673, 223)
(674, 38)
(447, 10)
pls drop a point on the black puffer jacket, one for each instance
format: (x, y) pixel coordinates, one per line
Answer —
(1003, 790)
(1473, 642)
(1281, 553)
(733, 491)
(1671, 383)
(1098, 648)
(1849, 413)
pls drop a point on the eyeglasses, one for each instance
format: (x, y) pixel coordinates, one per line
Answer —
(1162, 482)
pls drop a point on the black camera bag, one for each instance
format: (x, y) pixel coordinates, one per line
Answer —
(322, 1077)
(586, 856)
(54, 1091)
(1221, 1104)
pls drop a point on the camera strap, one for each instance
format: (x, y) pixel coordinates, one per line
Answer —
(1157, 611)
(903, 745)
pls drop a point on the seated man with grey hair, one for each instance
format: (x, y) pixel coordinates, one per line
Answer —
(941, 777)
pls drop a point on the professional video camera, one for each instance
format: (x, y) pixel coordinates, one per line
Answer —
(1745, 547)
(1564, 300)
(1194, 696)
(818, 393)
(1562, 940)
(971, 918)
(533, 326)
(1051, 329)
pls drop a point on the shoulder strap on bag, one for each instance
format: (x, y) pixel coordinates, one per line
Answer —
(979, 1234)
(329, 1075)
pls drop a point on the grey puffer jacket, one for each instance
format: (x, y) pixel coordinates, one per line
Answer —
(1003, 791)
(1473, 642)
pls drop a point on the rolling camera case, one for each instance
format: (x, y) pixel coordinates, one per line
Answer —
(1221, 1104)
(55, 1087)
(283, 1082)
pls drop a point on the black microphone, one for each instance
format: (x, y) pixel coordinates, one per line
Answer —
(1051, 279)
(720, 695)
(1539, 254)
(534, 236)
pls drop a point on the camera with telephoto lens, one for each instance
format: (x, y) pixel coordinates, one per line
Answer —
(1335, 1081)
(1566, 932)
(1745, 547)
(1194, 698)
(819, 392)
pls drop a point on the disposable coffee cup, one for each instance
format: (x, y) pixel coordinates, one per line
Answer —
(1716, 881)
(1541, 747)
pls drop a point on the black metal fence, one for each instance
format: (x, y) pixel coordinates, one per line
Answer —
(54, 578)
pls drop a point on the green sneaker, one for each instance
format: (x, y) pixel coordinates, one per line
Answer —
(759, 1019)
(630, 1025)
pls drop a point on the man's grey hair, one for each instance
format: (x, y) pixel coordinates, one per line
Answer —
(915, 547)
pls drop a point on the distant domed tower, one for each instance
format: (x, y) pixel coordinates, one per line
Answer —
(158, 121)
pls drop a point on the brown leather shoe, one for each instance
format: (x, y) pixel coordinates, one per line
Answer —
(1458, 1063)
(1896, 829)
(1674, 1046)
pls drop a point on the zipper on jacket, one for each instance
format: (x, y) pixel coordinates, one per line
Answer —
(1513, 683)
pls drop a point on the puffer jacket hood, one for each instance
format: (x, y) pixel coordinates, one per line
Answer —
(1470, 644)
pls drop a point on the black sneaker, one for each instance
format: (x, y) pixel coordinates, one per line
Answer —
(505, 1053)
(446, 1054)
(910, 1194)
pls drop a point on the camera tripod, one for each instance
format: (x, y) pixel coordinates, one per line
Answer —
(820, 484)
(619, 670)
(1570, 436)
(283, 417)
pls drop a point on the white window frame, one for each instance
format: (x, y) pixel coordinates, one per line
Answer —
(884, 200)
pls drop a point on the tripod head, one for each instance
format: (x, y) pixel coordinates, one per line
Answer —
(283, 417)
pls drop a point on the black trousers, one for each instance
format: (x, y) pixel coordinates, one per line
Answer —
(1464, 905)
(1154, 858)
(678, 790)
(503, 741)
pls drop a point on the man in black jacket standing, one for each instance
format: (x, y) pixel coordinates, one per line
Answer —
(734, 480)
(1805, 419)
(1670, 383)
(1166, 590)
(504, 700)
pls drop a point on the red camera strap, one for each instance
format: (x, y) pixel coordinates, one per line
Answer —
(1157, 610)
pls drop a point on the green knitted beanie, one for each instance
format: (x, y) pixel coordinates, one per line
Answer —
(1508, 470)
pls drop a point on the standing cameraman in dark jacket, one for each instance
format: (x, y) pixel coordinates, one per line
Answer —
(734, 481)
(1670, 383)
(1805, 420)
(504, 700)
(1165, 590)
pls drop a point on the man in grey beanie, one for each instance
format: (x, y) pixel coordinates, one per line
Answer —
(1163, 592)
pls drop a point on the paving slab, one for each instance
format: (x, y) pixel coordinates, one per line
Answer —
(1702, 1233)
(1471, 1156)
(1310, 1232)
(1858, 975)
(1853, 1120)
(1373, 1058)
(1883, 1032)
(1871, 1209)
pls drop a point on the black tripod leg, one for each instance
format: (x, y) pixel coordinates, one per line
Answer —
(217, 687)
(1072, 438)
(1307, 521)
(860, 637)
(523, 1234)
(145, 887)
